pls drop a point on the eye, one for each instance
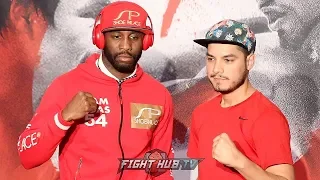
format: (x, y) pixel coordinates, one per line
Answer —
(228, 60)
(116, 36)
(210, 58)
(134, 36)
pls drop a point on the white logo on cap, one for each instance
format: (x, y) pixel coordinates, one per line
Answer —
(119, 20)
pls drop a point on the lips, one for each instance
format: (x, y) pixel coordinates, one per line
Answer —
(125, 58)
(219, 78)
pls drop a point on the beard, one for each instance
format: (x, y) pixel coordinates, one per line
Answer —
(234, 85)
(126, 68)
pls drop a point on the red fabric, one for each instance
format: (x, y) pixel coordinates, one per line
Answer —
(307, 168)
(250, 134)
(92, 151)
(44, 172)
(124, 15)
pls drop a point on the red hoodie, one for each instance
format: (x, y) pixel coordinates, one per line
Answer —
(138, 112)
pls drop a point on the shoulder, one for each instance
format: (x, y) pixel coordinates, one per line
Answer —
(79, 72)
(260, 104)
(203, 112)
(76, 73)
(207, 106)
(259, 107)
(66, 78)
(268, 112)
(153, 83)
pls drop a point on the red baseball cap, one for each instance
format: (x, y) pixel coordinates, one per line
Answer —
(125, 15)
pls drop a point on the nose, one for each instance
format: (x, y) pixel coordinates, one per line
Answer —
(218, 67)
(126, 44)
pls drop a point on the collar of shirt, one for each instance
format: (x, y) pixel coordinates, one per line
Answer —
(103, 68)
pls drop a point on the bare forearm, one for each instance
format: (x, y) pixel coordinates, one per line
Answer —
(251, 171)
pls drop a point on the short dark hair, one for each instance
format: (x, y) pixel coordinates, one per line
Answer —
(46, 7)
(244, 51)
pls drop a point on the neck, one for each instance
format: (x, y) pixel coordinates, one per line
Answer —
(15, 95)
(112, 70)
(237, 96)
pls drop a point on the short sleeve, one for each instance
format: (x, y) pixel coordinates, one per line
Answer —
(271, 136)
(193, 139)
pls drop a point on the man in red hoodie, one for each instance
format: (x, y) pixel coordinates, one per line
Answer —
(106, 109)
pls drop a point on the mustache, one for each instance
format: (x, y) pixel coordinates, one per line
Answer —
(218, 76)
(124, 53)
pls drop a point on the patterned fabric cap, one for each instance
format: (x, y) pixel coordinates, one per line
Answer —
(230, 32)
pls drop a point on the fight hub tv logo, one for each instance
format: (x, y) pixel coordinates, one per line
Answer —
(156, 162)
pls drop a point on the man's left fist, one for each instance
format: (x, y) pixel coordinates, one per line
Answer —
(225, 151)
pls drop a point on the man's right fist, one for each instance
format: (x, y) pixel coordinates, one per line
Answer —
(80, 105)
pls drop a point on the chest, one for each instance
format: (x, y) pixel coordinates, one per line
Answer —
(237, 124)
(126, 111)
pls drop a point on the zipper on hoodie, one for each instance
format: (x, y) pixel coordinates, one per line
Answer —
(121, 121)
(78, 169)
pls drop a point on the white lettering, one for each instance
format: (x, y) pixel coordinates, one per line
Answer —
(105, 110)
(160, 164)
(155, 122)
(127, 22)
(165, 163)
(102, 120)
(123, 163)
(100, 109)
(136, 164)
(18, 144)
(89, 120)
(130, 14)
(151, 161)
(143, 164)
(150, 112)
(29, 141)
(175, 164)
(146, 121)
(119, 22)
(33, 139)
(130, 165)
(102, 101)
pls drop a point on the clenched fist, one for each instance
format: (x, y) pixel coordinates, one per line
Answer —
(80, 105)
(225, 151)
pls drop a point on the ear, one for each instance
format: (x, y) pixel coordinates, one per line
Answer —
(17, 16)
(250, 61)
(23, 18)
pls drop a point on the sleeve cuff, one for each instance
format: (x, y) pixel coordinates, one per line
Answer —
(266, 166)
(61, 123)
